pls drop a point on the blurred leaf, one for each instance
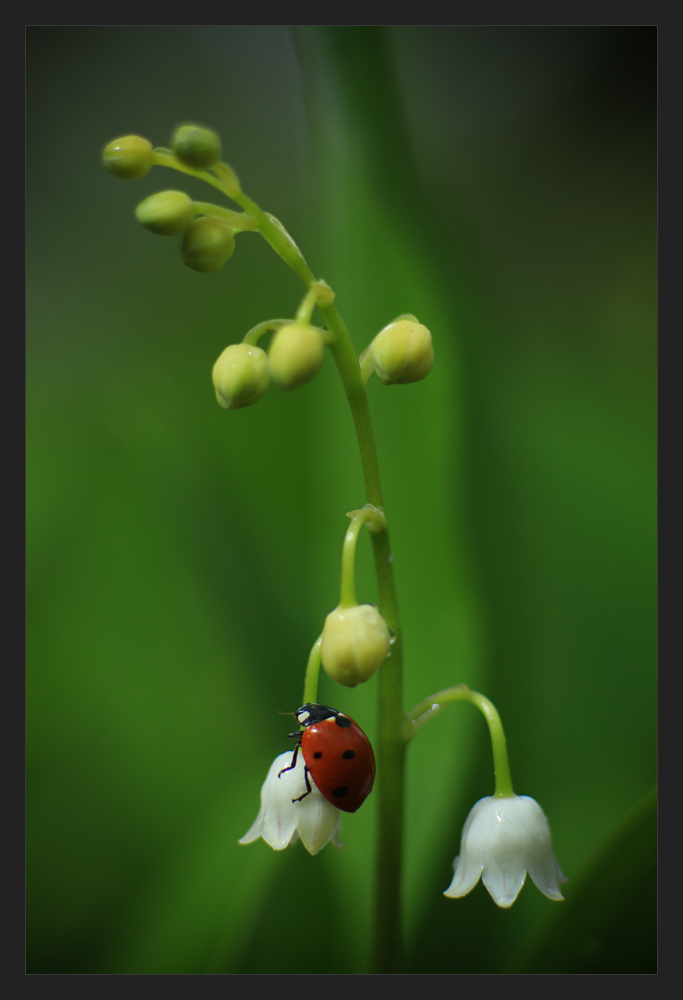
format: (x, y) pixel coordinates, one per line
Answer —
(608, 921)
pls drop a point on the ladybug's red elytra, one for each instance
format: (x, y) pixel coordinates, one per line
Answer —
(338, 756)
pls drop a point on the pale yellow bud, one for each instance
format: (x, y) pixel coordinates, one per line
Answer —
(355, 643)
(129, 157)
(402, 352)
(207, 245)
(240, 376)
(295, 355)
(196, 146)
(166, 213)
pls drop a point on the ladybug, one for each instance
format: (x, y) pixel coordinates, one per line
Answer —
(338, 756)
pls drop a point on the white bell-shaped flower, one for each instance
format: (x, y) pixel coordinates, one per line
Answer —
(502, 840)
(282, 821)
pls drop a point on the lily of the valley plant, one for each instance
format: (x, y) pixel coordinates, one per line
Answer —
(505, 836)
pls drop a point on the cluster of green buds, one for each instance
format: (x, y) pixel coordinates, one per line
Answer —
(244, 371)
(355, 639)
(208, 231)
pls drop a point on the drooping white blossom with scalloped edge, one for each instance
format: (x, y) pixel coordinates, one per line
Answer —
(502, 840)
(282, 822)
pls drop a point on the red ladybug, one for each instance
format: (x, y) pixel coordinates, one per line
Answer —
(338, 756)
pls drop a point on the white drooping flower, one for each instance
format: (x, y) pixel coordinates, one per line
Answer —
(282, 822)
(502, 840)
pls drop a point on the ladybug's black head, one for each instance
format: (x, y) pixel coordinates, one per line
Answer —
(311, 713)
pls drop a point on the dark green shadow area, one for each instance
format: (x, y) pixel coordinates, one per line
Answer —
(608, 924)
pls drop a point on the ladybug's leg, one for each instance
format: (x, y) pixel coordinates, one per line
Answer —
(308, 786)
(293, 764)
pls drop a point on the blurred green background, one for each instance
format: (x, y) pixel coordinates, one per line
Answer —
(500, 183)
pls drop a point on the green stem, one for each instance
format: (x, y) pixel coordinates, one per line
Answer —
(254, 335)
(235, 220)
(256, 332)
(435, 704)
(279, 239)
(308, 304)
(312, 674)
(387, 946)
(367, 514)
(367, 365)
(165, 158)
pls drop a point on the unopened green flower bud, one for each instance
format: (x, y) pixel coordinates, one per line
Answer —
(240, 376)
(166, 213)
(207, 245)
(402, 352)
(355, 643)
(129, 157)
(295, 355)
(197, 147)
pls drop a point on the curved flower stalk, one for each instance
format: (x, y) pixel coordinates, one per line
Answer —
(505, 835)
(282, 819)
(355, 638)
(502, 840)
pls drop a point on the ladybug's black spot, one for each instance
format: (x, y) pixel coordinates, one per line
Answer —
(339, 793)
(317, 754)
(343, 721)
(349, 754)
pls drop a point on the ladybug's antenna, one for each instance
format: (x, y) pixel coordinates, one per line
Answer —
(286, 713)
